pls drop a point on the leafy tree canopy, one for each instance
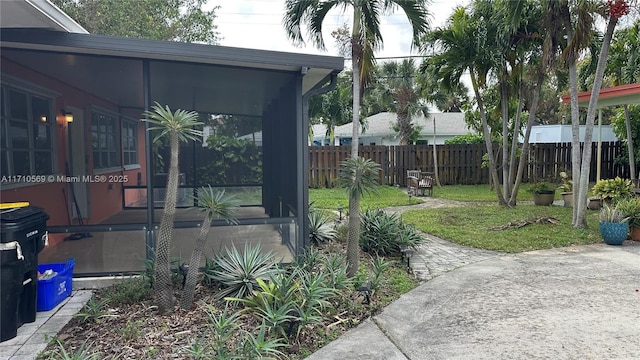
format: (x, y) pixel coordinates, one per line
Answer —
(177, 20)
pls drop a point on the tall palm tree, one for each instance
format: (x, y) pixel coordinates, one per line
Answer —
(178, 126)
(214, 205)
(358, 176)
(464, 44)
(366, 37)
(398, 81)
(613, 11)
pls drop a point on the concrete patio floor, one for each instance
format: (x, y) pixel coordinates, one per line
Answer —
(577, 302)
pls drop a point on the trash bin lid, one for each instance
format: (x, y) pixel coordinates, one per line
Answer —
(22, 218)
(18, 213)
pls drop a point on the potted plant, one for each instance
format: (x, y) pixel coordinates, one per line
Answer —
(543, 193)
(630, 208)
(612, 190)
(614, 226)
(566, 189)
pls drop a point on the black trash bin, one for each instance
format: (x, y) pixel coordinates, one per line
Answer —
(23, 234)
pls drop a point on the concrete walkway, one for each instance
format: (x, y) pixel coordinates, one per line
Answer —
(572, 303)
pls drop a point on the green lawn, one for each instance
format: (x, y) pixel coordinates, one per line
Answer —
(386, 196)
(471, 226)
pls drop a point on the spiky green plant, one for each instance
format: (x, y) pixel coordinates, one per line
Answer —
(320, 227)
(358, 176)
(238, 271)
(214, 204)
(385, 234)
(179, 126)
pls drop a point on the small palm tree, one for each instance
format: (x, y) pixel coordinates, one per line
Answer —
(179, 126)
(214, 204)
(358, 176)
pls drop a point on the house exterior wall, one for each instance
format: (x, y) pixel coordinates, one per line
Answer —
(563, 134)
(105, 198)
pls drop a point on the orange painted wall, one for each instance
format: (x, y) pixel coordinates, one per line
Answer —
(105, 199)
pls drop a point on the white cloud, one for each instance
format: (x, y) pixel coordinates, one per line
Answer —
(257, 24)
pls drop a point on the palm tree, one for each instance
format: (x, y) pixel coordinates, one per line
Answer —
(398, 81)
(464, 45)
(365, 35)
(214, 204)
(179, 127)
(358, 176)
(613, 10)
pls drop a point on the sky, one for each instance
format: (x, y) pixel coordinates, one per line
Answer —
(257, 24)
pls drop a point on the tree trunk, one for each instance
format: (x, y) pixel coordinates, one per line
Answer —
(162, 272)
(487, 139)
(404, 127)
(353, 240)
(356, 54)
(504, 104)
(525, 144)
(581, 216)
(632, 157)
(576, 154)
(186, 300)
(509, 193)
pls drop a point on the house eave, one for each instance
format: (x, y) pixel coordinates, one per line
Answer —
(37, 14)
(316, 67)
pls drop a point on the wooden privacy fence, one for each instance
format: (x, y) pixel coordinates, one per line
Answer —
(457, 164)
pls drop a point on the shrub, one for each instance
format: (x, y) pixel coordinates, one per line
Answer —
(613, 189)
(385, 234)
(238, 272)
(130, 290)
(541, 187)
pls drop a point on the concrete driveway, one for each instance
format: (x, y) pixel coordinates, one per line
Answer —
(579, 302)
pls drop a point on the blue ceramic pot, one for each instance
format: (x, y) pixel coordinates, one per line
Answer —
(614, 233)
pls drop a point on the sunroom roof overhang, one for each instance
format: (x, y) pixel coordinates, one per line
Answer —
(213, 76)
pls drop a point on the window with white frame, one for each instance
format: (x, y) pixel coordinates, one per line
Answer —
(105, 140)
(130, 142)
(26, 134)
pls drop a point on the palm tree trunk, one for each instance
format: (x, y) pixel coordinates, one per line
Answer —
(525, 144)
(353, 240)
(186, 299)
(404, 127)
(576, 154)
(581, 220)
(504, 96)
(487, 140)
(162, 273)
(632, 157)
(355, 63)
(513, 171)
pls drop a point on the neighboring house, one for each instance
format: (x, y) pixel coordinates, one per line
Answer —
(319, 138)
(380, 129)
(71, 104)
(563, 134)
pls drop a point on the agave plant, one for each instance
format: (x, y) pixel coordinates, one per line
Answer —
(320, 229)
(386, 234)
(238, 271)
